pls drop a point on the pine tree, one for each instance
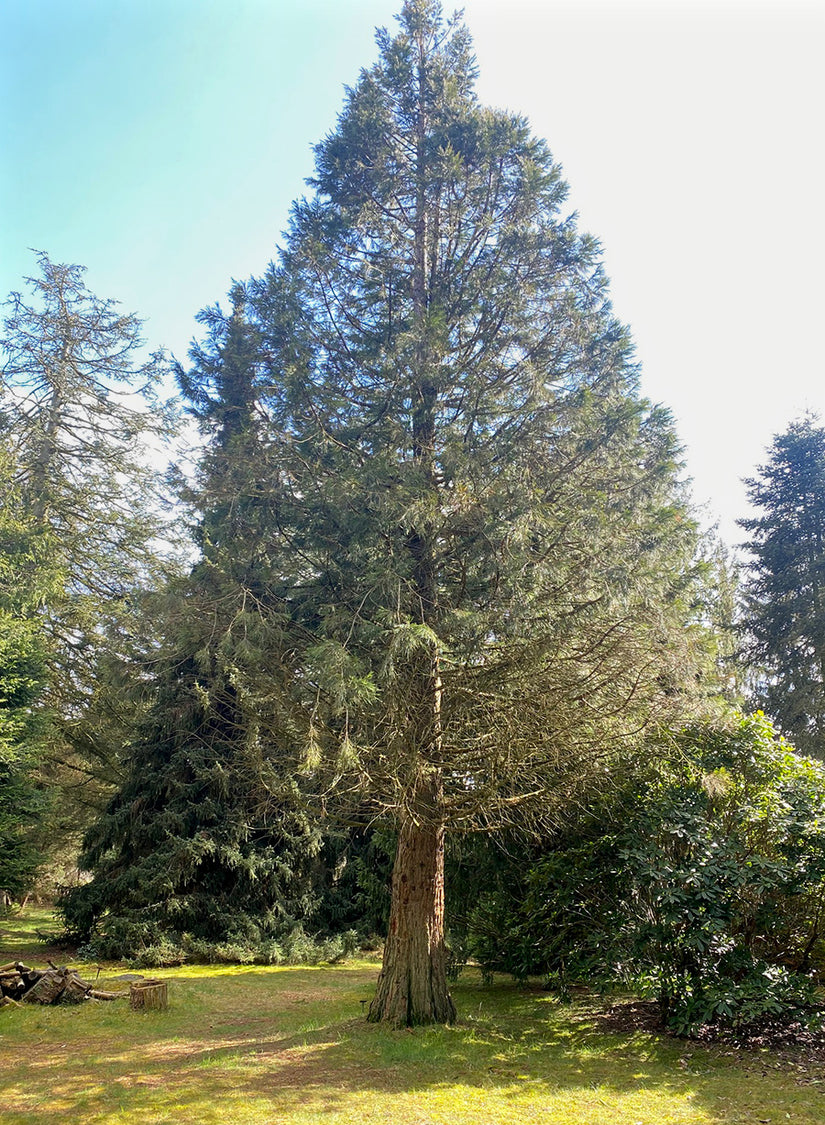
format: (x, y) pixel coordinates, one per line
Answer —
(479, 550)
(784, 606)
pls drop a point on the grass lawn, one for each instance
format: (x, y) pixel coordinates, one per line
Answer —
(290, 1046)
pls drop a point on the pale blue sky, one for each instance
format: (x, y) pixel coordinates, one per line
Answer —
(161, 142)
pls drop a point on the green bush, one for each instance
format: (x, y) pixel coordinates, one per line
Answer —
(726, 871)
(550, 921)
(293, 948)
(703, 885)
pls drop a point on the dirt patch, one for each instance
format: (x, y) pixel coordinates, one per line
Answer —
(788, 1047)
(629, 1016)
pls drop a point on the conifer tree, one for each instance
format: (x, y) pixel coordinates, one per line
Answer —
(445, 580)
(206, 838)
(27, 578)
(479, 549)
(784, 606)
(81, 411)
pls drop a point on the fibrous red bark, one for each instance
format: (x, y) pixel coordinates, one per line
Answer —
(412, 986)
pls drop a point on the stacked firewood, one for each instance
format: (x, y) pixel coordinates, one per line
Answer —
(55, 985)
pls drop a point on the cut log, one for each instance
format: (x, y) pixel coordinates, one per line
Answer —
(56, 985)
(148, 994)
(47, 990)
(12, 985)
(76, 990)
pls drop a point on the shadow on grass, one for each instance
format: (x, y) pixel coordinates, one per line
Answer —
(267, 1047)
(19, 940)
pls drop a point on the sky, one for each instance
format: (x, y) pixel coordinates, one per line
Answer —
(160, 144)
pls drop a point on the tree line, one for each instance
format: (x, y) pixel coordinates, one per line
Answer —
(440, 604)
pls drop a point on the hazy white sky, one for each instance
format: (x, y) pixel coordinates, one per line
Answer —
(161, 142)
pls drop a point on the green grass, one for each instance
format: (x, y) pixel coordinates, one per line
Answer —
(290, 1046)
(18, 935)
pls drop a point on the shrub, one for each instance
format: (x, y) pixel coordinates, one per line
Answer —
(726, 870)
(703, 885)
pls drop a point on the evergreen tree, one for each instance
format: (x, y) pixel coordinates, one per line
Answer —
(27, 578)
(80, 414)
(445, 578)
(784, 606)
(479, 551)
(206, 839)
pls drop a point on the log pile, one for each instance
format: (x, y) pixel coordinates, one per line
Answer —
(55, 985)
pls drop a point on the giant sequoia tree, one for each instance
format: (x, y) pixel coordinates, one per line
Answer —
(447, 584)
(784, 611)
(480, 540)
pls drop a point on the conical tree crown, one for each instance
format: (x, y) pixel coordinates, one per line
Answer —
(467, 478)
(785, 592)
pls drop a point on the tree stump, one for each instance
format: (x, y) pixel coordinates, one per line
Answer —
(148, 994)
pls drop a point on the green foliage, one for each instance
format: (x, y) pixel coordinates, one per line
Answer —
(547, 915)
(204, 837)
(294, 947)
(81, 416)
(26, 578)
(784, 605)
(207, 837)
(729, 839)
(472, 507)
(703, 884)
(20, 805)
(352, 877)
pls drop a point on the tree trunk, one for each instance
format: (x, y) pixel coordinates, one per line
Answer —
(412, 986)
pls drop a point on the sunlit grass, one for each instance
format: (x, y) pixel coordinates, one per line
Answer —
(290, 1046)
(18, 934)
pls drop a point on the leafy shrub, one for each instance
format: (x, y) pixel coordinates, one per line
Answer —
(726, 869)
(703, 885)
(294, 948)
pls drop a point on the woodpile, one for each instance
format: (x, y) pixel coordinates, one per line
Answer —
(55, 985)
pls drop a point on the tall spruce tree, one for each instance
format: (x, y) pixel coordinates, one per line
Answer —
(206, 838)
(80, 410)
(27, 579)
(479, 549)
(784, 605)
